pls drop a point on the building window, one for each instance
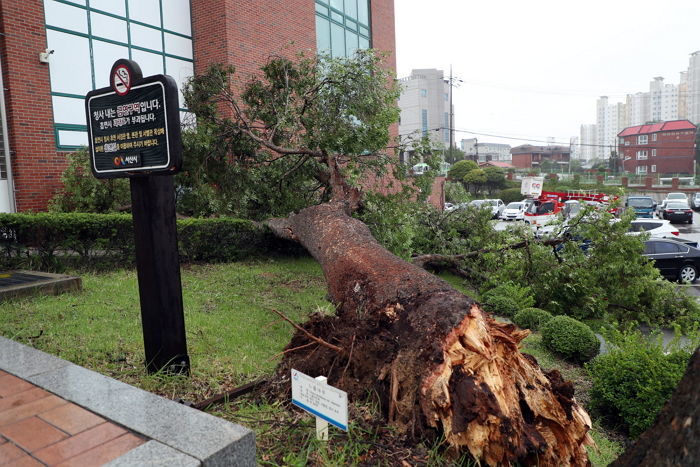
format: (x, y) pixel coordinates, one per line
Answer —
(342, 26)
(643, 139)
(653, 168)
(88, 38)
(627, 143)
(653, 138)
(424, 93)
(424, 121)
(641, 170)
(447, 97)
(641, 155)
(653, 153)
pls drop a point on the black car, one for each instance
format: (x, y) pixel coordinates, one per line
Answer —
(678, 211)
(675, 260)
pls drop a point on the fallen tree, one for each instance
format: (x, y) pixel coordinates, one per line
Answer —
(437, 361)
(434, 357)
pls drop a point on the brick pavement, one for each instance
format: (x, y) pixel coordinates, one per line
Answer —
(38, 428)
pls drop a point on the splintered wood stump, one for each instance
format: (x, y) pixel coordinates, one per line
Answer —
(436, 360)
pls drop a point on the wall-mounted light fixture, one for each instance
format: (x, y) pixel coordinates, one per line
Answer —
(44, 56)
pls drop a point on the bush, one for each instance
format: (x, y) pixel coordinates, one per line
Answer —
(510, 194)
(532, 318)
(507, 299)
(55, 241)
(634, 380)
(82, 192)
(570, 338)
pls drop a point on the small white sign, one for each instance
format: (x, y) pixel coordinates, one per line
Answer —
(531, 186)
(320, 399)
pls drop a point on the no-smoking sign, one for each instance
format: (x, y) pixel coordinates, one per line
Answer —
(121, 80)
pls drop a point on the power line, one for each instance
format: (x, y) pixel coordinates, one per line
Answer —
(567, 143)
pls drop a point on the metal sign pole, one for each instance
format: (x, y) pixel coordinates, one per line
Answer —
(158, 268)
(134, 132)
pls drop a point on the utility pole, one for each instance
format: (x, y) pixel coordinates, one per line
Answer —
(451, 116)
(452, 127)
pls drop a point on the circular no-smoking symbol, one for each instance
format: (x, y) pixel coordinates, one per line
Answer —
(121, 80)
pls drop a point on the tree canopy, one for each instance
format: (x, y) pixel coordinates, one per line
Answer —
(289, 138)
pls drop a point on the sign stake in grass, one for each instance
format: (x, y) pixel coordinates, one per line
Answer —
(134, 132)
(326, 403)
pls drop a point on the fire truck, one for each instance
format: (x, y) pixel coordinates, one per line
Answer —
(548, 205)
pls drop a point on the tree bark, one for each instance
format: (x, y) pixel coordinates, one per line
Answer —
(674, 439)
(436, 360)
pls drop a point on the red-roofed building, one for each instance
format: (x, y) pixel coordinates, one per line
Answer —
(499, 164)
(663, 148)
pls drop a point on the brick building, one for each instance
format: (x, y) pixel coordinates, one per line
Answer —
(41, 96)
(663, 148)
(528, 156)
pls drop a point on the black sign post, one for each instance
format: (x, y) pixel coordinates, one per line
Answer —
(134, 132)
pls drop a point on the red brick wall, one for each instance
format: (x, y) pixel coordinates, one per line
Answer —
(245, 33)
(522, 161)
(36, 165)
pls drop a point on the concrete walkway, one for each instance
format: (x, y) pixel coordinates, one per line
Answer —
(59, 414)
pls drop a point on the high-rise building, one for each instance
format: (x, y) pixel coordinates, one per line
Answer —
(610, 119)
(683, 95)
(52, 52)
(638, 109)
(694, 88)
(425, 106)
(663, 99)
(588, 142)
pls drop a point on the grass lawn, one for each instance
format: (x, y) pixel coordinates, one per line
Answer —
(233, 337)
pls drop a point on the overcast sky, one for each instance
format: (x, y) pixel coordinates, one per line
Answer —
(535, 69)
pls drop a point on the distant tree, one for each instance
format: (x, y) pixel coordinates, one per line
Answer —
(546, 165)
(614, 162)
(575, 166)
(495, 179)
(461, 168)
(454, 155)
(475, 180)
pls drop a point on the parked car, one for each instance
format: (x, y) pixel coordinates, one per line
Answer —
(514, 211)
(673, 259)
(657, 228)
(695, 202)
(670, 197)
(678, 211)
(496, 205)
(449, 207)
(643, 205)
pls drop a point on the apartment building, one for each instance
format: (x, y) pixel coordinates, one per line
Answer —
(425, 106)
(658, 148)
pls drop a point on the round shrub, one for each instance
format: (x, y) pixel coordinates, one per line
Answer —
(532, 318)
(632, 382)
(501, 305)
(506, 299)
(509, 195)
(570, 338)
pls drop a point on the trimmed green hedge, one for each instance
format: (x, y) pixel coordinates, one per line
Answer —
(570, 338)
(532, 318)
(55, 241)
(634, 380)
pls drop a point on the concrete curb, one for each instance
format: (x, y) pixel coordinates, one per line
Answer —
(180, 435)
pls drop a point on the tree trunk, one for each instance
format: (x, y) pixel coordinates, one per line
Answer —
(674, 439)
(436, 360)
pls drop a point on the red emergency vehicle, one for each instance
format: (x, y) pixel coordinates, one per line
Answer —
(549, 204)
